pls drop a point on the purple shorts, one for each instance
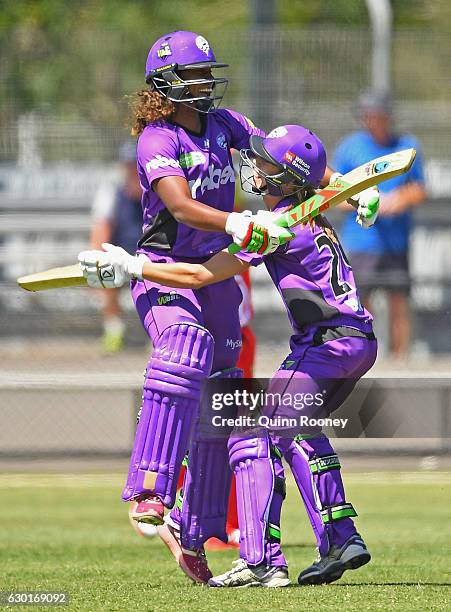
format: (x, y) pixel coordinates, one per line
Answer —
(320, 372)
(215, 307)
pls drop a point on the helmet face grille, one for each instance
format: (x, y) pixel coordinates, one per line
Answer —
(177, 89)
(184, 51)
(268, 184)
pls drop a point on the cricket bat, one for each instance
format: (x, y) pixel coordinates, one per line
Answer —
(67, 276)
(372, 173)
(367, 175)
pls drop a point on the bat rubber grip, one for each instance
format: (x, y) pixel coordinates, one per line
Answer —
(281, 221)
(234, 248)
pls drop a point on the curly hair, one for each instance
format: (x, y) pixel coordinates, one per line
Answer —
(149, 106)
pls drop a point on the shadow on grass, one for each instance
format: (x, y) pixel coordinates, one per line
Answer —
(354, 584)
(295, 585)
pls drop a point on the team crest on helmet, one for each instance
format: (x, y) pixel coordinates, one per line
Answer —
(278, 132)
(164, 50)
(203, 44)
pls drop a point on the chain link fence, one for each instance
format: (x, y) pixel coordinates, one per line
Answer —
(71, 101)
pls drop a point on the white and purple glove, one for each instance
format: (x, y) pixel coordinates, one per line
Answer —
(366, 203)
(111, 268)
(367, 206)
(257, 233)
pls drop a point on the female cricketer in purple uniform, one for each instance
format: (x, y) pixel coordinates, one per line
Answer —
(186, 173)
(332, 346)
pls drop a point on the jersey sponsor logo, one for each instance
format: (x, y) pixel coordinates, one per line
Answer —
(287, 364)
(203, 44)
(166, 298)
(160, 161)
(233, 344)
(191, 159)
(215, 178)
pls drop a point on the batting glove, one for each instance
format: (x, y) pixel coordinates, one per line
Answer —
(367, 206)
(257, 233)
(366, 203)
(111, 268)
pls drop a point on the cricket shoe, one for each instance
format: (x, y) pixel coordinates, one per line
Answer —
(242, 576)
(193, 562)
(351, 555)
(142, 529)
(148, 510)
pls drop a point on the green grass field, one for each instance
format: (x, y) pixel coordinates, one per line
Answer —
(71, 532)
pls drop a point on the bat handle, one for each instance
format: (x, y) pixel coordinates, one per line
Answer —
(281, 222)
(234, 248)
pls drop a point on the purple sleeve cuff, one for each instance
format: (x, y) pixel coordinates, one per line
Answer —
(253, 259)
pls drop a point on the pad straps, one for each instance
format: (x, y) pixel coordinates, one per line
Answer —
(318, 465)
(337, 512)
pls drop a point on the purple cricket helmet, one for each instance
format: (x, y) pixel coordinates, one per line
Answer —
(180, 51)
(296, 151)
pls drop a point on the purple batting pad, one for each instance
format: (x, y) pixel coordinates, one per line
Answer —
(316, 469)
(181, 359)
(273, 552)
(250, 459)
(207, 484)
(333, 369)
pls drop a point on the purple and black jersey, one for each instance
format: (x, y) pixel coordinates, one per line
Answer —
(204, 160)
(314, 277)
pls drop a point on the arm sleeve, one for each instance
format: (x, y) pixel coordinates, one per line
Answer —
(240, 129)
(253, 259)
(158, 153)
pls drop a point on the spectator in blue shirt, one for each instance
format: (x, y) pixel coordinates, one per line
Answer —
(379, 256)
(117, 218)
